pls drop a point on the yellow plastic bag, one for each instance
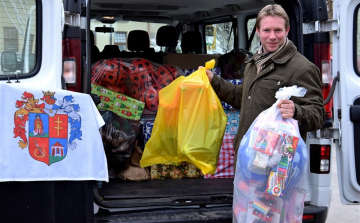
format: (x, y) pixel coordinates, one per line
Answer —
(189, 125)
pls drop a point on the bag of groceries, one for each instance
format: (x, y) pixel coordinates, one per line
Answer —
(189, 125)
(270, 182)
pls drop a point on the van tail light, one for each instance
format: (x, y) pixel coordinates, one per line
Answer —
(320, 156)
(71, 51)
(308, 216)
(323, 61)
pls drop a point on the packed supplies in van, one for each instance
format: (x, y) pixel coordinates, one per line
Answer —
(270, 180)
(188, 105)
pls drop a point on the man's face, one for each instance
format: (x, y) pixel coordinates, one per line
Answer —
(272, 33)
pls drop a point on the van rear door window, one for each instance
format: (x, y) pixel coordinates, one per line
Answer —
(219, 38)
(17, 36)
(121, 31)
(252, 38)
(120, 40)
(357, 40)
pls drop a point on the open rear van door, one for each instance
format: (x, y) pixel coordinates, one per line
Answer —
(346, 66)
(30, 40)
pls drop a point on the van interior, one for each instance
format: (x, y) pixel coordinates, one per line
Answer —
(184, 34)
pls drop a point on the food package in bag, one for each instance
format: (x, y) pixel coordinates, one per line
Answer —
(189, 125)
(139, 78)
(270, 182)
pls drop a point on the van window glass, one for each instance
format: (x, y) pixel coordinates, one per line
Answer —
(183, 30)
(357, 41)
(255, 41)
(178, 46)
(120, 40)
(219, 38)
(17, 36)
(121, 32)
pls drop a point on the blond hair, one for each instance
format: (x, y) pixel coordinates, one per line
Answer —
(273, 10)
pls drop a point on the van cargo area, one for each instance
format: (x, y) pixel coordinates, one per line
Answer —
(155, 200)
(160, 33)
(122, 56)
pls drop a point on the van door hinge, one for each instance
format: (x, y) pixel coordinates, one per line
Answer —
(72, 19)
(339, 113)
(325, 133)
(331, 133)
(321, 26)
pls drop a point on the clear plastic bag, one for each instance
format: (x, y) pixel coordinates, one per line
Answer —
(233, 64)
(270, 168)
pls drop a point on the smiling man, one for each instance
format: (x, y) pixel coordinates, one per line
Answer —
(274, 28)
(277, 64)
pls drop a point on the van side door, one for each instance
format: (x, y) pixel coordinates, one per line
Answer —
(346, 64)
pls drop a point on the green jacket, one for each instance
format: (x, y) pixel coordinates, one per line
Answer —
(257, 92)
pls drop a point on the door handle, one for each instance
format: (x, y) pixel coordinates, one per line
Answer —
(355, 113)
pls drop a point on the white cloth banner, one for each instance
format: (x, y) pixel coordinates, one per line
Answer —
(49, 134)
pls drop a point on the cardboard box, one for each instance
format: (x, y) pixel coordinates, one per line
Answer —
(147, 128)
(215, 70)
(232, 124)
(189, 61)
(235, 82)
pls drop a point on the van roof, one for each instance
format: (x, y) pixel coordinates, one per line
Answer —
(171, 11)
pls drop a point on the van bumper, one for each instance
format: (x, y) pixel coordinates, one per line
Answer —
(46, 201)
(319, 213)
(213, 215)
(186, 215)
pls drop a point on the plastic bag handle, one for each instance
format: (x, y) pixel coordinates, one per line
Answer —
(287, 92)
(210, 64)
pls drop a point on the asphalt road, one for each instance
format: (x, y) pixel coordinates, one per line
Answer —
(338, 212)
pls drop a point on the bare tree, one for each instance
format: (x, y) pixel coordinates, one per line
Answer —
(17, 12)
(224, 35)
(219, 38)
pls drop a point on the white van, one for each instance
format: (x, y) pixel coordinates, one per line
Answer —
(39, 38)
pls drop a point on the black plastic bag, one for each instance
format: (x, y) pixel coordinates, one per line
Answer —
(232, 64)
(119, 136)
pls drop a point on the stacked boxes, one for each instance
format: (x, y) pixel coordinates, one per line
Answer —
(235, 82)
(147, 128)
(232, 124)
(215, 70)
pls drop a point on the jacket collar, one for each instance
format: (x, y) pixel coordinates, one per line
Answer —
(283, 56)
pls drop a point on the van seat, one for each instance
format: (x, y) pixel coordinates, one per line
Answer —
(166, 37)
(191, 56)
(191, 42)
(110, 51)
(138, 41)
(138, 44)
(95, 52)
